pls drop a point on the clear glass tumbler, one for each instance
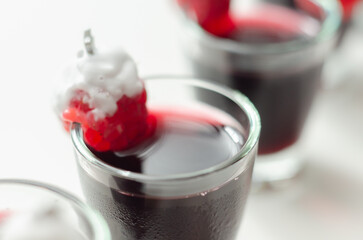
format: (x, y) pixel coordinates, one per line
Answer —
(203, 204)
(275, 58)
(33, 206)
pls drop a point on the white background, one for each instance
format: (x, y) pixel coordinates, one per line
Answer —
(38, 37)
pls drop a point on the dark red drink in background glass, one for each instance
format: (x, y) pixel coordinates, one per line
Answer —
(274, 55)
(214, 15)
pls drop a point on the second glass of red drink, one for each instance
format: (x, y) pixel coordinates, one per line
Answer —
(272, 54)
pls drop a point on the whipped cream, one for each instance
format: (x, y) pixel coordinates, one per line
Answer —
(105, 76)
(41, 223)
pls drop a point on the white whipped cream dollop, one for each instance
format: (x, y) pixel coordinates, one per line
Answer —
(42, 223)
(106, 76)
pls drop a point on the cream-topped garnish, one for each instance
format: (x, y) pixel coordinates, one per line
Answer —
(102, 92)
(105, 76)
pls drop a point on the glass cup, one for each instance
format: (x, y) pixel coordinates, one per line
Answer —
(205, 204)
(19, 199)
(279, 74)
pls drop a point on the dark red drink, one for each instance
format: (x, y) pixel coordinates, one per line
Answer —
(283, 98)
(257, 57)
(185, 141)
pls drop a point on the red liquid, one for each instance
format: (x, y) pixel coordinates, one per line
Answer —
(283, 101)
(185, 143)
(212, 15)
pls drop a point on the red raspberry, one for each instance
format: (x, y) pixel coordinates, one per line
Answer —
(126, 128)
(212, 15)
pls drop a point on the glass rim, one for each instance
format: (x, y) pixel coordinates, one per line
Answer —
(241, 100)
(329, 28)
(98, 224)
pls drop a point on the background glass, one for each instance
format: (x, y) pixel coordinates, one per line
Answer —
(206, 204)
(23, 195)
(279, 74)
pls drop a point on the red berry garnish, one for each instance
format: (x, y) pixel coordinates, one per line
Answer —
(105, 95)
(212, 15)
(126, 128)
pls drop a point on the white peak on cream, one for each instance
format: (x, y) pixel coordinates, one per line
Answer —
(106, 76)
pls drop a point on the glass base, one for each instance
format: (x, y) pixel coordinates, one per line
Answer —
(279, 166)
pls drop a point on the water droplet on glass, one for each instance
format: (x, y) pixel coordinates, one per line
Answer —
(203, 194)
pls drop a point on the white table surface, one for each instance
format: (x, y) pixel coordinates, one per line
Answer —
(38, 37)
